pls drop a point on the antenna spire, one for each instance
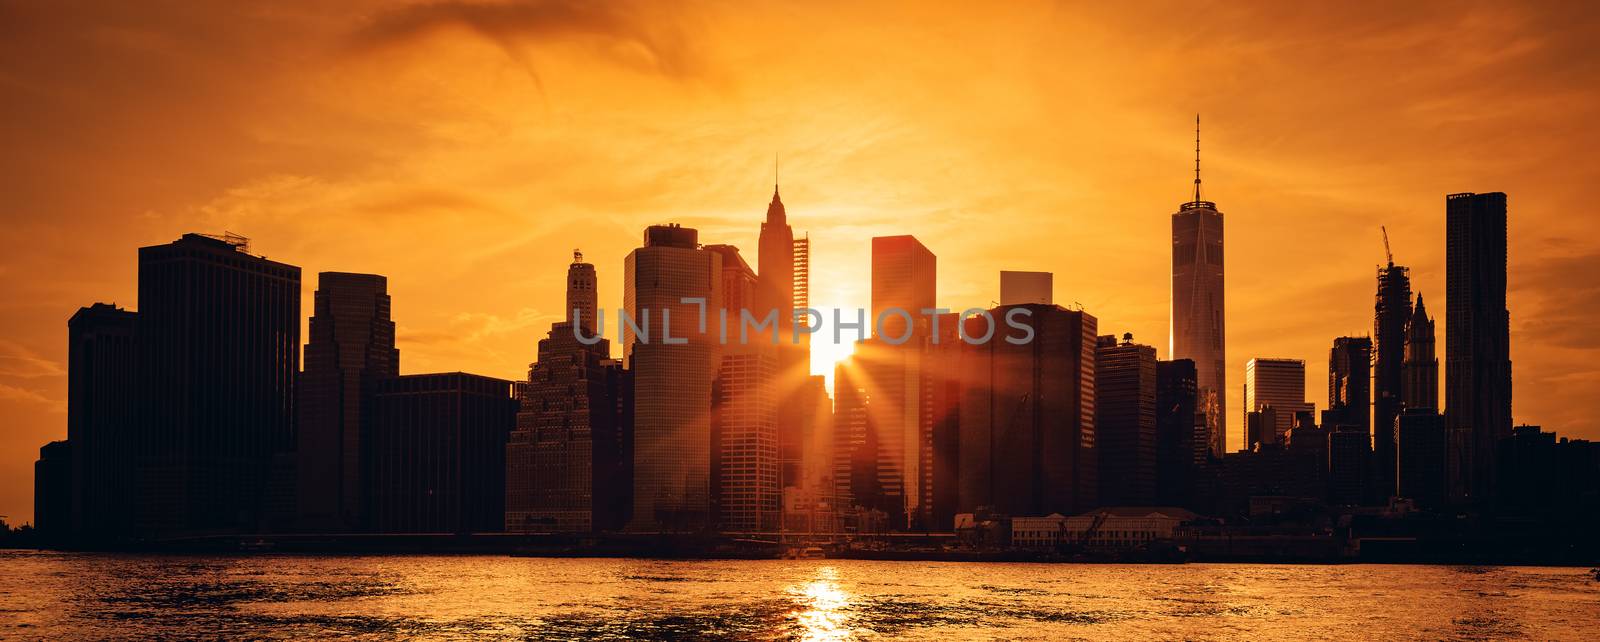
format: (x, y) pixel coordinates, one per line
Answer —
(1197, 158)
(774, 176)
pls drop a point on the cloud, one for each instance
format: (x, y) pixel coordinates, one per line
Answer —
(14, 393)
(19, 361)
(629, 37)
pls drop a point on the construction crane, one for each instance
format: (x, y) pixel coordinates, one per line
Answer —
(1386, 251)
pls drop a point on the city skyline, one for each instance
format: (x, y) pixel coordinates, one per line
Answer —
(1117, 216)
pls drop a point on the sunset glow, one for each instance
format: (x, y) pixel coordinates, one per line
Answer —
(463, 149)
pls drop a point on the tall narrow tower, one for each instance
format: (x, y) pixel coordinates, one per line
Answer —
(1391, 312)
(582, 295)
(1197, 303)
(1477, 352)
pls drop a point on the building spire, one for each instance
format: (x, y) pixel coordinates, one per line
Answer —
(774, 177)
(1197, 158)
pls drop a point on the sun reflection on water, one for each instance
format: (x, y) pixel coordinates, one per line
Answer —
(821, 607)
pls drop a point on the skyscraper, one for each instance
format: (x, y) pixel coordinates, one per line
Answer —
(52, 493)
(904, 277)
(1125, 421)
(439, 453)
(1182, 451)
(569, 462)
(219, 352)
(102, 376)
(1198, 321)
(350, 348)
(893, 368)
(1420, 387)
(744, 414)
(1028, 438)
(1391, 313)
(1477, 341)
(1349, 374)
(583, 293)
(672, 381)
(850, 463)
(1279, 383)
(782, 285)
(1026, 287)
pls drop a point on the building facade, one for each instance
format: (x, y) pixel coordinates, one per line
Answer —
(1197, 317)
(1392, 312)
(1280, 384)
(102, 377)
(1477, 341)
(1125, 421)
(350, 348)
(1182, 452)
(569, 461)
(219, 354)
(673, 368)
(1349, 380)
(439, 453)
(1028, 435)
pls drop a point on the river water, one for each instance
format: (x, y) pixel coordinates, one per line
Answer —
(97, 596)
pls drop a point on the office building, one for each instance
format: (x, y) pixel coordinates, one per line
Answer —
(218, 343)
(1018, 288)
(569, 461)
(1420, 387)
(1477, 341)
(102, 377)
(673, 368)
(745, 489)
(1182, 451)
(1391, 314)
(1028, 437)
(1198, 320)
(1125, 421)
(350, 348)
(52, 493)
(1279, 383)
(439, 453)
(1349, 377)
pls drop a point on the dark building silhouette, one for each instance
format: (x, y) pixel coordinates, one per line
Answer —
(1477, 341)
(1349, 464)
(1421, 441)
(944, 359)
(1420, 388)
(1198, 319)
(1260, 427)
(52, 493)
(1421, 454)
(219, 352)
(1028, 437)
(854, 466)
(1182, 451)
(1125, 421)
(672, 382)
(569, 462)
(1554, 480)
(439, 453)
(1309, 444)
(102, 377)
(350, 348)
(1392, 311)
(1349, 374)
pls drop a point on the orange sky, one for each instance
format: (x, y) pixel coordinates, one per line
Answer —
(464, 148)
